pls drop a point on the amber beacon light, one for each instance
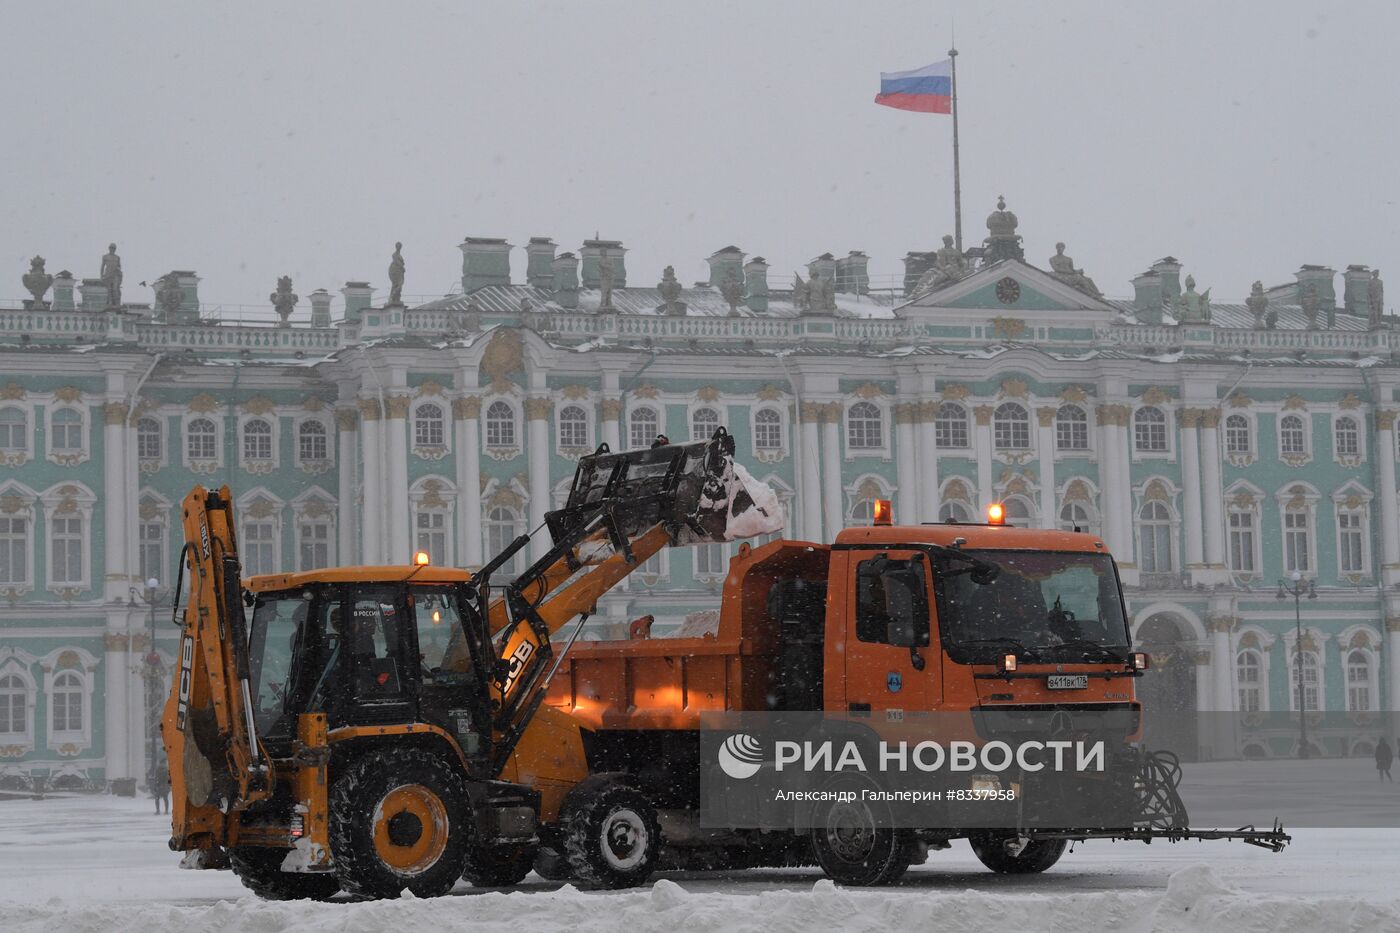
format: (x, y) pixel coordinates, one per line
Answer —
(996, 514)
(884, 512)
(421, 558)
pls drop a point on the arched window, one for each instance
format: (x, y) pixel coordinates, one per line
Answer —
(1237, 436)
(1150, 429)
(503, 526)
(573, 427)
(257, 440)
(767, 429)
(1358, 682)
(67, 430)
(148, 439)
(500, 424)
(201, 440)
(67, 702)
(1155, 538)
(643, 425)
(864, 427)
(1075, 516)
(1311, 694)
(14, 430)
(311, 442)
(703, 422)
(430, 425)
(950, 426)
(1347, 437)
(1017, 512)
(1292, 438)
(953, 511)
(862, 513)
(1011, 427)
(14, 698)
(1071, 428)
(1249, 673)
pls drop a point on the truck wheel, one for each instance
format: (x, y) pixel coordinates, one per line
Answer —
(400, 820)
(498, 866)
(853, 850)
(260, 870)
(1038, 855)
(611, 836)
(551, 865)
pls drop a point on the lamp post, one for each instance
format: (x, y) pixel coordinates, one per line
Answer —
(1297, 590)
(152, 678)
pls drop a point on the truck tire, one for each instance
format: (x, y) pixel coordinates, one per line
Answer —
(400, 820)
(260, 870)
(551, 865)
(611, 835)
(853, 850)
(498, 866)
(1038, 855)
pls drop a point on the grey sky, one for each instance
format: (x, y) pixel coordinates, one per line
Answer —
(246, 142)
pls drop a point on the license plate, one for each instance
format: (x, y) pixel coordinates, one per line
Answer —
(1068, 681)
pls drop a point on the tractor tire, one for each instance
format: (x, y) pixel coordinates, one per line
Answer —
(260, 870)
(611, 835)
(551, 865)
(853, 850)
(1038, 855)
(400, 820)
(498, 866)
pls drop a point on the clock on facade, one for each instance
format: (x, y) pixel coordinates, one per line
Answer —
(1008, 291)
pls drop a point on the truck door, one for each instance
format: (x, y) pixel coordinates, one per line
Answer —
(887, 651)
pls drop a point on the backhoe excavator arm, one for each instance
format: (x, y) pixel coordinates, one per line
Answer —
(217, 763)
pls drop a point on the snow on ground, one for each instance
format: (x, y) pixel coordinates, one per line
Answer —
(90, 864)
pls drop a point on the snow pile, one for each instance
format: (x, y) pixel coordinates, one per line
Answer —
(760, 515)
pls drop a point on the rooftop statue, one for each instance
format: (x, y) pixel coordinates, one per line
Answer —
(1193, 307)
(1375, 298)
(284, 300)
(111, 276)
(37, 281)
(670, 290)
(1258, 304)
(801, 294)
(949, 265)
(605, 282)
(1064, 270)
(396, 275)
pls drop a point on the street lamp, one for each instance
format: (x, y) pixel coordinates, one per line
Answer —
(152, 678)
(1297, 590)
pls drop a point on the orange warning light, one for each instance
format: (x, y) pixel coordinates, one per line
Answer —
(996, 514)
(884, 512)
(421, 559)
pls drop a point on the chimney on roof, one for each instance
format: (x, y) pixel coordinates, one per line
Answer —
(564, 281)
(320, 308)
(824, 266)
(592, 255)
(1147, 296)
(756, 284)
(1320, 279)
(915, 265)
(851, 275)
(485, 261)
(63, 291)
(358, 297)
(539, 262)
(94, 295)
(1168, 270)
(724, 261)
(1356, 294)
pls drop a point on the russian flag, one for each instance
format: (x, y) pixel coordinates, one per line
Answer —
(925, 90)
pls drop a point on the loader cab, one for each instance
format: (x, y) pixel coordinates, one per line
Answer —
(367, 652)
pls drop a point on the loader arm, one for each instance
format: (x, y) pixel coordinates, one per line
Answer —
(217, 764)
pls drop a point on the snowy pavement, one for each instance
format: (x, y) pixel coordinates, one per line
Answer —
(89, 864)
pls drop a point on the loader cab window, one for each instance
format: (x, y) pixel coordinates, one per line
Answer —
(371, 645)
(278, 626)
(442, 652)
(892, 601)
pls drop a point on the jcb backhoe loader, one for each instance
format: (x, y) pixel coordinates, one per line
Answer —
(366, 731)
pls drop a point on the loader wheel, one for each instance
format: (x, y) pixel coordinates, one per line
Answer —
(853, 849)
(260, 870)
(1038, 855)
(551, 865)
(400, 820)
(611, 835)
(498, 866)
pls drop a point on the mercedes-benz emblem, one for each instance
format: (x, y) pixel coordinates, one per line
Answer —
(1061, 723)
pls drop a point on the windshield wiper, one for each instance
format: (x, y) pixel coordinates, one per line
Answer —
(1084, 644)
(1021, 650)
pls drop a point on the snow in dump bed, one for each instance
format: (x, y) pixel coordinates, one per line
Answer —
(763, 517)
(94, 864)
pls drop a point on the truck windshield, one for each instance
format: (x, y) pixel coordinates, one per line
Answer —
(1041, 605)
(278, 623)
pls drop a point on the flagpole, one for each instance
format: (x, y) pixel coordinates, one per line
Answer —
(957, 174)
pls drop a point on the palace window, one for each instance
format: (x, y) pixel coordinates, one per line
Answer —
(67, 427)
(643, 426)
(148, 439)
(862, 513)
(573, 427)
(66, 702)
(950, 426)
(865, 427)
(257, 440)
(259, 546)
(703, 423)
(14, 430)
(1155, 538)
(313, 543)
(1011, 427)
(1071, 428)
(1297, 541)
(151, 551)
(953, 511)
(1243, 541)
(14, 703)
(1017, 512)
(1311, 694)
(66, 549)
(1359, 690)
(430, 426)
(767, 429)
(312, 444)
(1238, 438)
(500, 424)
(14, 549)
(1351, 541)
(1150, 429)
(201, 440)
(504, 525)
(1347, 437)
(1292, 437)
(1074, 516)
(1249, 673)
(710, 560)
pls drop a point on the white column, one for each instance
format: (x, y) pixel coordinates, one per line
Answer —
(372, 509)
(982, 445)
(1224, 663)
(1392, 661)
(1389, 518)
(926, 462)
(612, 414)
(1116, 491)
(537, 417)
(1045, 441)
(809, 493)
(115, 732)
(833, 496)
(347, 423)
(397, 514)
(467, 418)
(1191, 487)
(906, 506)
(1212, 495)
(115, 495)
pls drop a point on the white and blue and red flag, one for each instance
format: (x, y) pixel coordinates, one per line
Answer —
(924, 90)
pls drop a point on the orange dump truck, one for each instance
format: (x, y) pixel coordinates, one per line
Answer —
(887, 621)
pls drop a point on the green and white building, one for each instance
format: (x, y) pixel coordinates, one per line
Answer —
(1215, 456)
